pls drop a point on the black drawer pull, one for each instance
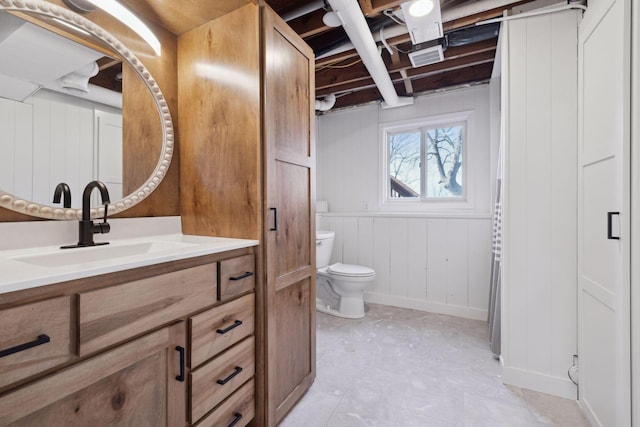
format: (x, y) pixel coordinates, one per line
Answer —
(181, 376)
(235, 372)
(245, 275)
(225, 330)
(238, 417)
(42, 339)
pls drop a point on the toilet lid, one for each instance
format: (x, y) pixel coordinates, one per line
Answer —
(350, 270)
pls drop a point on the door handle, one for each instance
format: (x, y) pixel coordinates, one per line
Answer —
(610, 235)
(275, 219)
(180, 377)
(42, 339)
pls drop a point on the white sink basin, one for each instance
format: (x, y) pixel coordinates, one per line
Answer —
(92, 254)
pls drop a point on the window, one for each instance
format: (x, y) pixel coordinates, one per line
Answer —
(425, 161)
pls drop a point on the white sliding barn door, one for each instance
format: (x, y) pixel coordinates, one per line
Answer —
(603, 206)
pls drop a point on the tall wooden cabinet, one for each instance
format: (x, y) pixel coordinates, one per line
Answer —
(248, 170)
(289, 236)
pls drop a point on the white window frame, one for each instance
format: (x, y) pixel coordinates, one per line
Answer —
(429, 204)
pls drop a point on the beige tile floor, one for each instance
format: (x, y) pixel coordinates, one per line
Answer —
(399, 367)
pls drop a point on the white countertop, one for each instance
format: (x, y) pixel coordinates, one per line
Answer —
(38, 266)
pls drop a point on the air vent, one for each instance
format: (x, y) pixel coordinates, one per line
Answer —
(422, 57)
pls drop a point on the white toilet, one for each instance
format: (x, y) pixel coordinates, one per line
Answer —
(339, 287)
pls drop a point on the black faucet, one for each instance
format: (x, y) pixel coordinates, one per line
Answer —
(61, 189)
(86, 227)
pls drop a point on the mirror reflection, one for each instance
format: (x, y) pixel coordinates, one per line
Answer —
(60, 115)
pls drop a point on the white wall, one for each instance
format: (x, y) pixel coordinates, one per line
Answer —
(47, 139)
(433, 261)
(539, 228)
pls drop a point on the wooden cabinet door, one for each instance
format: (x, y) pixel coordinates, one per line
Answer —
(135, 384)
(289, 175)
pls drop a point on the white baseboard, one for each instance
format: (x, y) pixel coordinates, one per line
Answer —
(422, 305)
(557, 386)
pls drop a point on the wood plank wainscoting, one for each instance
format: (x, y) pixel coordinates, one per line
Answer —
(438, 264)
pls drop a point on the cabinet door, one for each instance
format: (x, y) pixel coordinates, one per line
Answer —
(289, 225)
(135, 384)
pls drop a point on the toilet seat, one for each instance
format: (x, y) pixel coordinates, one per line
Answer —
(350, 270)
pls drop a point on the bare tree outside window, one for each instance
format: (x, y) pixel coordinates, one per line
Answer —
(444, 162)
(426, 162)
(405, 164)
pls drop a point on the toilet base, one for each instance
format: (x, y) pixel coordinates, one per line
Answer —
(328, 310)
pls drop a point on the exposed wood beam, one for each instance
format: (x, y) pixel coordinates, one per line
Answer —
(454, 57)
(309, 25)
(366, 6)
(439, 81)
(444, 67)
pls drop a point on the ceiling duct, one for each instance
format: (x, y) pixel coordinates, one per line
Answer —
(356, 28)
(430, 55)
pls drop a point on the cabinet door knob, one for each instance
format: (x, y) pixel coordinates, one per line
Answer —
(180, 377)
(42, 339)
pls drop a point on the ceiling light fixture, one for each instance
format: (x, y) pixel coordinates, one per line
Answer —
(331, 19)
(121, 13)
(420, 8)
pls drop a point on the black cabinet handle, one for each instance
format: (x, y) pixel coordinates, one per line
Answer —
(181, 376)
(238, 417)
(275, 219)
(610, 235)
(235, 372)
(247, 274)
(225, 330)
(42, 339)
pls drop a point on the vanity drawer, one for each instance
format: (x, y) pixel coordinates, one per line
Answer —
(237, 275)
(110, 315)
(33, 338)
(217, 379)
(238, 410)
(220, 327)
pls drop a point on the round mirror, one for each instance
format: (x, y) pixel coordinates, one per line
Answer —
(61, 114)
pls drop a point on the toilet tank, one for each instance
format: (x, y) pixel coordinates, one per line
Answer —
(324, 246)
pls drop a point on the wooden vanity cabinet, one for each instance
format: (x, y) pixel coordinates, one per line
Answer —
(140, 347)
(131, 385)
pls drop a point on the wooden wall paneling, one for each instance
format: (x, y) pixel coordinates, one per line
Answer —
(382, 252)
(539, 231)
(457, 267)
(515, 211)
(437, 238)
(564, 197)
(350, 241)
(180, 17)
(7, 128)
(337, 225)
(538, 188)
(23, 176)
(41, 140)
(220, 126)
(417, 258)
(398, 256)
(365, 242)
(479, 260)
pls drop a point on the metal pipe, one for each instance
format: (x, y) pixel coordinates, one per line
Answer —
(304, 10)
(358, 31)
